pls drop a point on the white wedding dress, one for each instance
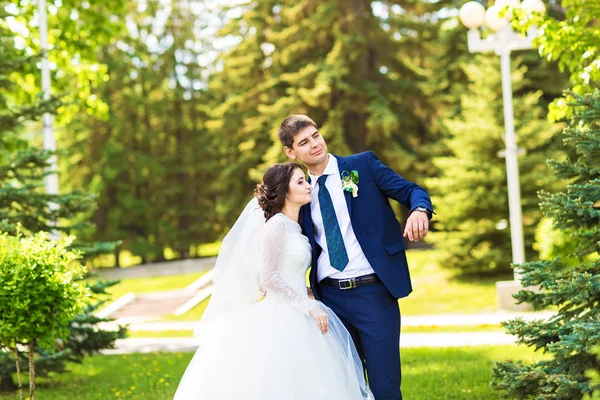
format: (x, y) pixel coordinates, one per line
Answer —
(272, 349)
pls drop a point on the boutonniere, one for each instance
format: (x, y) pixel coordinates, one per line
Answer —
(350, 182)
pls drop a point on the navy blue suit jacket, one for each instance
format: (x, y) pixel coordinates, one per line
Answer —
(378, 231)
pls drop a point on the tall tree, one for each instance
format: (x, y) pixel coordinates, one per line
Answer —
(470, 192)
(22, 166)
(568, 35)
(150, 158)
(75, 31)
(571, 335)
(23, 201)
(355, 67)
(572, 285)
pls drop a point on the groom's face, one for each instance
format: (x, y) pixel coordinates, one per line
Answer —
(308, 147)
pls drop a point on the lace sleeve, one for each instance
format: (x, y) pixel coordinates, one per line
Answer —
(273, 242)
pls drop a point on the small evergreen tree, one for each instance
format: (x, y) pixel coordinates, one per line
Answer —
(571, 335)
(470, 192)
(594, 379)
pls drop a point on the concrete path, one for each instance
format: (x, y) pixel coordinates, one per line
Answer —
(177, 267)
(472, 319)
(151, 345)
(441, 339)
(449, 339)
(407, 321)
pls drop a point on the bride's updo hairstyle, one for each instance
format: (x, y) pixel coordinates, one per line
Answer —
(272, 191)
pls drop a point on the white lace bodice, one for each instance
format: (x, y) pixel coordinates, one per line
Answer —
(285, 257)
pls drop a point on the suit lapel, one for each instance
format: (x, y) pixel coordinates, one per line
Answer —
(343, 166)
(307, 223)
(307, 226)
(309, 231)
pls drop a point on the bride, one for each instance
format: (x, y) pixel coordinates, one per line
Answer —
(263, 336)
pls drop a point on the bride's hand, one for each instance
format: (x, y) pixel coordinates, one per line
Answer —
(320, 318)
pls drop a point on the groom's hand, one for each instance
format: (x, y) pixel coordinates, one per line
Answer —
(417, 226)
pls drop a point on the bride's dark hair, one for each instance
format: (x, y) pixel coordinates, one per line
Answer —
(272, 191)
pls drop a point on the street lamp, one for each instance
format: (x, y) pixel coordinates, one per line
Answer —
(503, 41)
(51, 180)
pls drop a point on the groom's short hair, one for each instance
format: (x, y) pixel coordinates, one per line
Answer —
(292, 125)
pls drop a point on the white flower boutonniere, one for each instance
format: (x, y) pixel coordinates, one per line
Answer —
(350, 182)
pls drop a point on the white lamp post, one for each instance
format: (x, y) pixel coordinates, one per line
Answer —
(502, 42)
(51, 180)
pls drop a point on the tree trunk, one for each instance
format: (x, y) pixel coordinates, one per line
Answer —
(18, 372)
(31, 346)
(117, 261)
(363, 71)
(7, 384)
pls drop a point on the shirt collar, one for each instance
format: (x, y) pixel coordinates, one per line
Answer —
(330, 169)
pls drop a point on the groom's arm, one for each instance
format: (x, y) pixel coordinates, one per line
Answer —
(407, 193)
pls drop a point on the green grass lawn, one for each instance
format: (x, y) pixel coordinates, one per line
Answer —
(436, 290)
(153, 284)
(428, 374)
(456, 373)
(405, 329)
(453, 329)
(159, 334)
(209, 249)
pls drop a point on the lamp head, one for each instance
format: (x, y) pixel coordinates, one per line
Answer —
(510, 3)
(493, 20)
(472, 15)
(534, 6)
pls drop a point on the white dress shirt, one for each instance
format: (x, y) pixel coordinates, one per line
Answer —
(358, 264)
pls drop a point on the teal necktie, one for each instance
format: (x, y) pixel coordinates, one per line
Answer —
(338, 257)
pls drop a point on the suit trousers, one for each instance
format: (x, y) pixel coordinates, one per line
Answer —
(372, 316)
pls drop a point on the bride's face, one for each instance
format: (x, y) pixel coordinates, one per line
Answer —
(299, 190)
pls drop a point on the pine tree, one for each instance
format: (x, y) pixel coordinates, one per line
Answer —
(355, 67)
(594, 376)
(570, 336)
(150, 159)
(22, 168)
(470, 192)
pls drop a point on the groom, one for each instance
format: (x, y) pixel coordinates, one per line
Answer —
(359, 266)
